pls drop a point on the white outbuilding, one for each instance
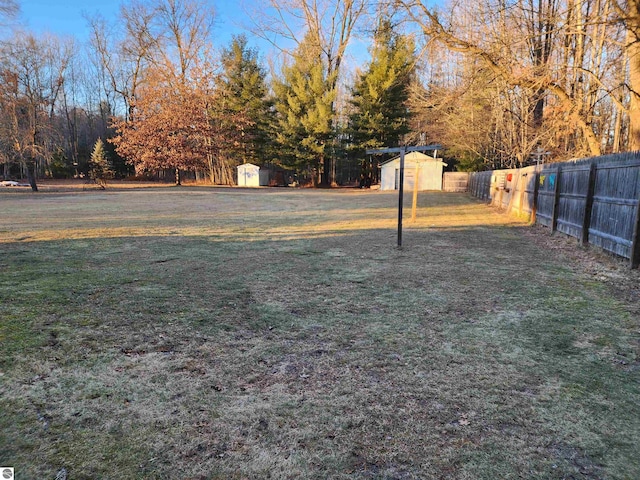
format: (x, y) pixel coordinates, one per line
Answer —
(428, 169)
(248, 175)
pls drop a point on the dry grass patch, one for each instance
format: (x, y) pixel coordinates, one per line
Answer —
(280, 334)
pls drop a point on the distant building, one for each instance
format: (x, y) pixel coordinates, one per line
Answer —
(249, 175)
(429, 172)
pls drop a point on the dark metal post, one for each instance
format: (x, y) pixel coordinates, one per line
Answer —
(400, 197)
(402, 151)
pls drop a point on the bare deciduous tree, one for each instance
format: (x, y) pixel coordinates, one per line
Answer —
(554, 66)
(629, 14)
(184, 28)
(9, 9)
(122, 56)
(34, 72)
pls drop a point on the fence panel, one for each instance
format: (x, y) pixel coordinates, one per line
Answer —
(574, 186)
(596, 200)
(546, 197)
(615, 203)
(527, 190)
(480, 185)
(455, 182)
(503, 183)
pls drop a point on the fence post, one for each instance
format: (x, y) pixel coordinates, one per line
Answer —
(536, 189)
(556, 201)
(635, 240)
(588, 207)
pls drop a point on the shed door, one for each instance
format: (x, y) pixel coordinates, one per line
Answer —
(409, 178)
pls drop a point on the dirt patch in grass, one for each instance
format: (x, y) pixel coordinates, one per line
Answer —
(208, 333)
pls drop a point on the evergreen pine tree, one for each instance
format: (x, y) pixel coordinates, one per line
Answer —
(244, 92)
(379, 96)
(304, 102)
(99, 167)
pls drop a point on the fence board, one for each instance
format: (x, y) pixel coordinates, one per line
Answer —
(588, 205)
(614, 205)
(536, 187)
(635, 245)
(546, 199)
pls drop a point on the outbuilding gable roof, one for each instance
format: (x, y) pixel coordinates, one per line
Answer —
(247, 166)
(414, 157)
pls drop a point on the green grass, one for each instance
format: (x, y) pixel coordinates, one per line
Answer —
(218, 333)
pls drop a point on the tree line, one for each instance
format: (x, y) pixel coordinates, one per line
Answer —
(499, 83)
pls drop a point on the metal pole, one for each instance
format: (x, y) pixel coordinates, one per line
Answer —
(402, 150)
(400, 196)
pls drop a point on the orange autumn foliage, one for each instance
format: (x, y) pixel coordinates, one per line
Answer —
(176, 125)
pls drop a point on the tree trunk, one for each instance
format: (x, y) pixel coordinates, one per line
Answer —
(31, 175)
(212, 171)
(326, 171)
(615, 148)
(633, 53)
(538, 108)
(178, 177)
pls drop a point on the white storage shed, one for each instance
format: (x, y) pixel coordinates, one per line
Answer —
(248, 175)
(429, 171)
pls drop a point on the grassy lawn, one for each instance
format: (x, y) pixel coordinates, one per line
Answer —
(208, 333)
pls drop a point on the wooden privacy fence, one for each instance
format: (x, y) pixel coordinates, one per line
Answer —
(455, 181)
(596, 200)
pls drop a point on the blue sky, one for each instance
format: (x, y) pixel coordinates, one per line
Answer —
(65, 17)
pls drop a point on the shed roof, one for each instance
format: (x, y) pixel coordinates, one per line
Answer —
(247, 165)
(415, 157)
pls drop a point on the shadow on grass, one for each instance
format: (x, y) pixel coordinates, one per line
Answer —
(469, 353)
